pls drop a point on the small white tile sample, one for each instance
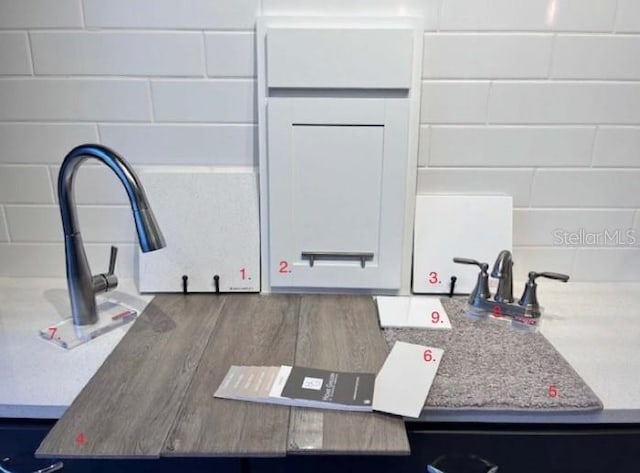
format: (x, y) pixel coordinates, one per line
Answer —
(628, 17)
(185, 14)
(557, 227)
(25, 185)
(428, 9)
(97, 224)
(34, 143)
(412, 311)
(40, 14)
(230, 54)
(485, 56)
(454, 102)
(74, 99)
(565, 102)
(404, 381)
(596, 57)
(526, 259)
(609, 264)
(514, 15)
(465, 226)
(617, 147)
(118, 53)
(95, 184)
(424, 145)
(209, 218)
(511, 146)
(14, 54)
(513, 182)
(581, 15)
(186, 144)
(204, 101)
(586, 188)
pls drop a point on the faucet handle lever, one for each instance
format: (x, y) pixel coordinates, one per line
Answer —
(549, 275)
(471, 261)
(112, 260)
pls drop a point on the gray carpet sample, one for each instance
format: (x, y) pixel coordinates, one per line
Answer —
(489, 365)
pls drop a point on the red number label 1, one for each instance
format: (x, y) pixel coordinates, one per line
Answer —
(435, 317)
(243, 273)
(428, 355)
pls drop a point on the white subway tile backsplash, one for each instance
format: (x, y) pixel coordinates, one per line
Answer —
(230, 54)
(565, 102)
(25, 184)
(607, 264)
(454, 102)
(485, 56)
(586, 188)
(617, 147)
(14, 54)
(582, 15)
(118, 53)
(46, 260)
(628, 17)
(509, 146)
(4, 233)
(185, 144)
(74, 99)
(470, 181)
(37, 143)
(526, 259)
(568, 228)
(596, 57)
(204, 101)
(95, 185)
(184, 14)
(97, 224)
(40, 14)
(424, 146)
(525, 15)
(428, 9)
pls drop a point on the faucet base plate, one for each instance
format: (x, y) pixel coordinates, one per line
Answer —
(111, 315)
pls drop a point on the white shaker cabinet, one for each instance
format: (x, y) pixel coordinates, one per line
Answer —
(337, 161)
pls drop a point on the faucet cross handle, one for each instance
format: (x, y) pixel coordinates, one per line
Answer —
(105, 282)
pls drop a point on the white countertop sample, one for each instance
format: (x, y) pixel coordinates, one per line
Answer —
(595, 326)
(40, 379)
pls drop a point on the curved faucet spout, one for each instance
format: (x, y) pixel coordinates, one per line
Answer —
(82, 285)
(503, 271)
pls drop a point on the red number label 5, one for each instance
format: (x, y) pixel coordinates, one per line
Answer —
(553, 391)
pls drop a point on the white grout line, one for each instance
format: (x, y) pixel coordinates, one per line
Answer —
(5, 219)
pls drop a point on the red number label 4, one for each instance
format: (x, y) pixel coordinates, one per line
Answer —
(80, 440)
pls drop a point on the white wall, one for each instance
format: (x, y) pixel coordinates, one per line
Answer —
(538, 99)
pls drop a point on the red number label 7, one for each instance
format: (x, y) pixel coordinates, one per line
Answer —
(52, 332)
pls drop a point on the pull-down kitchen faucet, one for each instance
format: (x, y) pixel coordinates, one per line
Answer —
(82, 285)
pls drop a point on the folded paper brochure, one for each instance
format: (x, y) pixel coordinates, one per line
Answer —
(401, 386)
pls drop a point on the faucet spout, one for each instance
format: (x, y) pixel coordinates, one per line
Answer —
(503, 271)
(82, 285)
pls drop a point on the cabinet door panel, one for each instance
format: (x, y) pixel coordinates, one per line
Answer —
(337, 174)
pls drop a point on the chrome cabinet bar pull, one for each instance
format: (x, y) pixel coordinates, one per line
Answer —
(313, 255)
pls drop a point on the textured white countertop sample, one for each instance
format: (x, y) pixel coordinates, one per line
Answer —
(40, 379)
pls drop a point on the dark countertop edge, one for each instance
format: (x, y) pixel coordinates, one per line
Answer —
(606, 416)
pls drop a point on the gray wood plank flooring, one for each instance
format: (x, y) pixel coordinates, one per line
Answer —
(342, 333)
(128, 407)
(252, 330)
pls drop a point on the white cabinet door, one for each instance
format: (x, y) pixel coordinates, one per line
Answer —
(336, 178)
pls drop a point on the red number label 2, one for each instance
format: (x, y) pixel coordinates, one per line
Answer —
(284, 267)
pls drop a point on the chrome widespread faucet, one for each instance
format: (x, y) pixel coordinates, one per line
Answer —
(82, 285)
(503, 271)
